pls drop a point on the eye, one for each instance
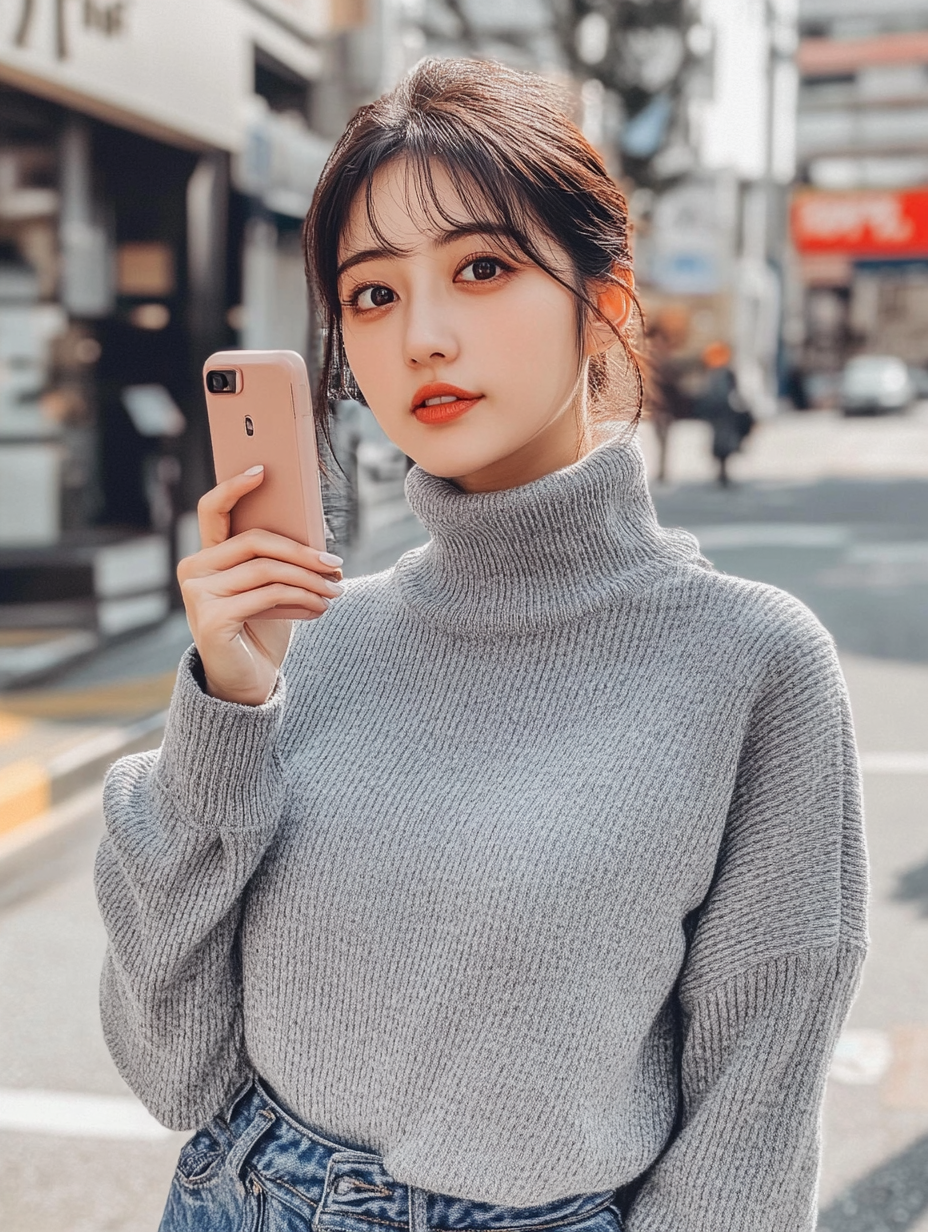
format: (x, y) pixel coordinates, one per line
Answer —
(483, 269)
(373, 297)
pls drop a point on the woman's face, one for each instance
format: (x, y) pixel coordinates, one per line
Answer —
(468, 359)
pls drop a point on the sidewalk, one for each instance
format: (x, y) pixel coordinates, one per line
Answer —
(57, 741)
(802, 447)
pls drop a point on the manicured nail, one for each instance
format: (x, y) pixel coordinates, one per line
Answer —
(328, 558)
(325, 602)
(334, 588)
(254, 470)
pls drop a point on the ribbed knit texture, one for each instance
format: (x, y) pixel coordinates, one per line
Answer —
(544, 873)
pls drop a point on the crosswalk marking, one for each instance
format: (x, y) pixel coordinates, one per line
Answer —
(861, 1057)
(772, 535)
(75, 1115)
(894, 763)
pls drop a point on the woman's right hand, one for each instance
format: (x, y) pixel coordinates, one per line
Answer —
(235, 577)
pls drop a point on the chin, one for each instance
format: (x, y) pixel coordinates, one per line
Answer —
(448, 462)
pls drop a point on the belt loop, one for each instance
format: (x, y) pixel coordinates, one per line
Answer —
(235, 1161)
(228, 1111)
(418, 1210)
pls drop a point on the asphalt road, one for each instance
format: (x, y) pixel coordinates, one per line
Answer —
(855, 548)
(856, 551)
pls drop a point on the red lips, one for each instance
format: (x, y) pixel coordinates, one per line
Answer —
(442, 412)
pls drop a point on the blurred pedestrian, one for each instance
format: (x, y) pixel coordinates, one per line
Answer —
(722, 406)
(529, 892)
(665, 400)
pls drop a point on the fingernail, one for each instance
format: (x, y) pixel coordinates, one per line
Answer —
(335, 588)
(326, 602)
(254, 470)
(328, 558)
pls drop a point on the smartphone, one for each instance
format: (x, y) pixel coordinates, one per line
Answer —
(260, 410)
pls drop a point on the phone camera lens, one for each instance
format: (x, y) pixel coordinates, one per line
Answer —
(220, 382)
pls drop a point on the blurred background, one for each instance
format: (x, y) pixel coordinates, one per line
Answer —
(157, 158)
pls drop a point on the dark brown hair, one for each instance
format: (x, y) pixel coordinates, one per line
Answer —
(519, 163)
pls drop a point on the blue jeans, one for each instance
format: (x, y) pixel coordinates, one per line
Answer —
(254, 1168)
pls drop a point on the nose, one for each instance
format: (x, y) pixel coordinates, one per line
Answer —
(430, 335)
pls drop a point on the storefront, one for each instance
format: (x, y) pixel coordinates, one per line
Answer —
(863, 261)
(149, 204)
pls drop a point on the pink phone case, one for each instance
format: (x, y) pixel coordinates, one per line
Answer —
(268, 419)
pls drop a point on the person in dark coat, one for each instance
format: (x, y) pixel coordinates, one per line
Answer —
(723, 407)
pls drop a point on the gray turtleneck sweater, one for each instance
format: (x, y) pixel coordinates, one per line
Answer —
(543, 873)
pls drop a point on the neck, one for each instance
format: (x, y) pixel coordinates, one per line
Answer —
(541, 553)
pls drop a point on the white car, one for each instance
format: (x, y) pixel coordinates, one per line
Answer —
(876, 384)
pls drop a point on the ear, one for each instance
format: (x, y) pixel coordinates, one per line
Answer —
(614, 301)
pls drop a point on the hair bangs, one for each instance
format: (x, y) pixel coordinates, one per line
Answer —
(501, 213)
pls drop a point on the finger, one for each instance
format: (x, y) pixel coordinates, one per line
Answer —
(265, 572)
(215, 508)
(234, 610)
(251, 544)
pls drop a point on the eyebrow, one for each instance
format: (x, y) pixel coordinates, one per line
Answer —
(443, 239)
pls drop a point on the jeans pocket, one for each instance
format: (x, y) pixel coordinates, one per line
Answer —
(201, 1159)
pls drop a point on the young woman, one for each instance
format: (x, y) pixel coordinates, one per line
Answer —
(530, 891)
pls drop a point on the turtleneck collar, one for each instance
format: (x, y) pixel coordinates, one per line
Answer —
(541, 554)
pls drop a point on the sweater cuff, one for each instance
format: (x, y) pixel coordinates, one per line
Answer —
(218, 760)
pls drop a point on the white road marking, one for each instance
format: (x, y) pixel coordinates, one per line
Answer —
(862, 1056)
(894, 763)
(74, 1115)
(906, 553)
(771, 535)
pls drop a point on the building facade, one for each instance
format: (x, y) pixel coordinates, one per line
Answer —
(156, 161)
(860, 214)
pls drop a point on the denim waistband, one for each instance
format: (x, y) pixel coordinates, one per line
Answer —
(341, 1188)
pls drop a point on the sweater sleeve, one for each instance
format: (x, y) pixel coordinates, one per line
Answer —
(772, 967)
(186, 827)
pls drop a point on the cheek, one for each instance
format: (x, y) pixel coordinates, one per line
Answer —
(376, 360)
(534, 350)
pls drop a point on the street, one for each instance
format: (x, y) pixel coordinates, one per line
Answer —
(835, 512)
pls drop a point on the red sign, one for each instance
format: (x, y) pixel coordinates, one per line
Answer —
(864, 223)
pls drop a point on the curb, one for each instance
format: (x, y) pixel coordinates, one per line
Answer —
(30, 788)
